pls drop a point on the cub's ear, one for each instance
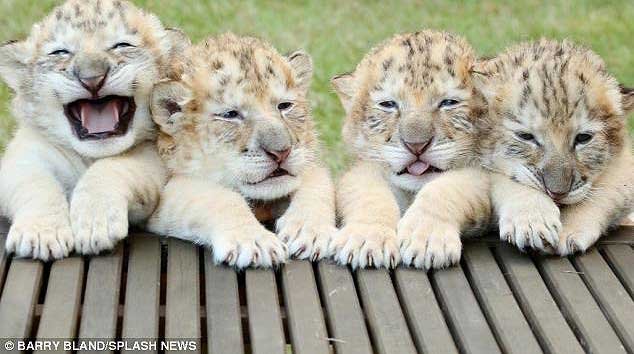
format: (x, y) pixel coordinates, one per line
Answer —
(13, 63)
(345, 86)
(302, 66)
(627, 99)
(167, 105)
(177, 40)
(483, 78)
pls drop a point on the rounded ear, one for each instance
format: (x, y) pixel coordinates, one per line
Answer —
(13, 63)
(302, 66)
(345, 87)
(627, 99)
(168, 101)
(178, 40)
(483, 79)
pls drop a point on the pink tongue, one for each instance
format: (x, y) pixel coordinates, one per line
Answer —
(100, 118)
(417, 168)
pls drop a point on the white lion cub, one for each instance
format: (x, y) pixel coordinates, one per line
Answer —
(236, 132)
(82, 164)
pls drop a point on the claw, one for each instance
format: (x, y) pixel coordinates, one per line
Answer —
(370, 260)
(299, 251)
(392, 261)
(229, 258)
(350, 259)
(315, 256)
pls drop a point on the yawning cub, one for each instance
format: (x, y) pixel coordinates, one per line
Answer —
(82, 81)
(236, 130)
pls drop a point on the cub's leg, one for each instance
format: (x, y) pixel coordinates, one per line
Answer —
(444, 208)
(370, 214)
(219, 218)
(611, 199)
(34, 180)
(527, 217)
(113, 192)
(309, 222)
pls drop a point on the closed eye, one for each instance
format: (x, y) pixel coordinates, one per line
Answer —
(449, 102)
(59, 52)
(122, 45)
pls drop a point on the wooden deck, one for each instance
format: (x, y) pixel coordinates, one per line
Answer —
(496, 301)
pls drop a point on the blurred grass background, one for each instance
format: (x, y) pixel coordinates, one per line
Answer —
(338, 33)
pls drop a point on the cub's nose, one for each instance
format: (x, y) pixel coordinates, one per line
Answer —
(94, 83)
(417, 148)
(278, 156)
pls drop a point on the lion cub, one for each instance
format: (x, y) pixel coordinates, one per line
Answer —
(236, 131)
(411, 119)
(558, 141)
(83, 161)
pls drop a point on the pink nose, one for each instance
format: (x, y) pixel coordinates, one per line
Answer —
(93, 84)
(417, 148)
(278, 156)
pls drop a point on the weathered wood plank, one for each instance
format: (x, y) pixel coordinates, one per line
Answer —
(224, 323)
(182, 301)
(429, 329)
(616, 303)
(385, 318)
(623, 235)
(539, 307)
(470, 328)
(507, 321)
(4, 257)
(344, 313)
(60, 315)
(306, 324)
(141, 308)
(622, 260)
(101, 297)
(19, 298)
(265, 322)
(578, 306)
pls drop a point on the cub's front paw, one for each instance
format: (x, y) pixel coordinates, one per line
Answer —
(365, 245)
(306, 238)
(427, 243)
(531, 225)
(249, 246)
(577, 238)
(99, 221)
(41, 237)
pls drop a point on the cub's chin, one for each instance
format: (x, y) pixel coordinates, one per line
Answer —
(412, 183)
(278, 184)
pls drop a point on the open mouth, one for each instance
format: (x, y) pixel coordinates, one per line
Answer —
(101, 118)
(419, 168)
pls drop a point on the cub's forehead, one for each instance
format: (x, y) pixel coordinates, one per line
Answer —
(237, 62)
(78, 20)
(419, 60)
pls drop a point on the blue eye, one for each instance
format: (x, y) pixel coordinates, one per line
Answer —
(59, 52)
(448, 103)
(122, 45)
(230, 114)
(388, 104)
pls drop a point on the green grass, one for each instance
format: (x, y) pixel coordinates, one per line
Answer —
(338, 33)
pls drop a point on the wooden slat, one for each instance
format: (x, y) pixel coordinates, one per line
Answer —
(101, 298)
(622, 260)
(609, 292)
(265, 323)
(141, 308)
(385, 318)
(508, 323)
(538, 305)
(19, 298)
(344, 314)
(306, 324)
(623, 235)
(429, 329)
(63, 297)
(4, 229)
(578, 306)
(471, 330)
(182, 302)
(224, 324)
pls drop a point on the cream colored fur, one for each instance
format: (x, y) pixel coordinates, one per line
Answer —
(62, 193)
(217, 121)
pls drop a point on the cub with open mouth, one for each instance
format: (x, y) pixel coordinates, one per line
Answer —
(411, 114)
(236, 133)
(82, 164)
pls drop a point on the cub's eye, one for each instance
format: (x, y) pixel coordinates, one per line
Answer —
(388, 104)
(583, 138)
(59, 52)
(122, 45)
(525, 136)
(283, 106)
(448, 103)
(230, 114)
